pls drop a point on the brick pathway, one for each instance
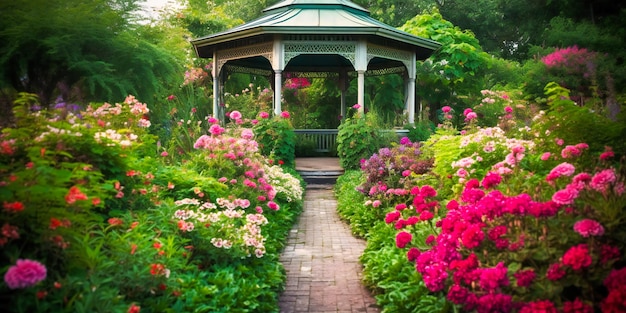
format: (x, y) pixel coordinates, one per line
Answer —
(322, 262)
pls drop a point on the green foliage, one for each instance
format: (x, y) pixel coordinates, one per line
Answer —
(350, 204)
(575, 124)
(358, 138)
(276, 139)
(399, 288)
(455, 71)
(78, 49)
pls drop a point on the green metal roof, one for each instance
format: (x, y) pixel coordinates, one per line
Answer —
(311, 17)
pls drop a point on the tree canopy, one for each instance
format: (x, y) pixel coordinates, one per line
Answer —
(84, 49)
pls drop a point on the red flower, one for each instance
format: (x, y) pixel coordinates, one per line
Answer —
(74, 194)
(615, 302)
(157, 269)
(54, 223)
(115, 221)
(133, 248)
(134, 308)
(541, 306)
(577, 306)
(13, 207)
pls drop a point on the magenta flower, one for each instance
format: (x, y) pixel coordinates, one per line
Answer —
(491, 180)
(264, 115)
(356, 106)
(402, 239)
(446, 109)
(164, 154)
(577, 306)
(470, 116)
(588, 227)
(213, 120)
(508, 109)
(25, 273)
(285, 114)
(577, 257)
(525, 278)
(467, 111)
(555, 272)
(216, 130)
(273, 205)
(545, 156)
(544, 306)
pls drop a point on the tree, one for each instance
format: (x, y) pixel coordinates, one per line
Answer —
(454, 73)
(89, 50)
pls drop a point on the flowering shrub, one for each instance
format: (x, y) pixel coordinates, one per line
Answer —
(500, 248)
(99, 222)
(391, 169)
(276, 138)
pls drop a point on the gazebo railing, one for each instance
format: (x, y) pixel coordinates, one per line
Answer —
(326, 139)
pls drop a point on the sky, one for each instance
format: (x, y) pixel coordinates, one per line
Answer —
(152, 7)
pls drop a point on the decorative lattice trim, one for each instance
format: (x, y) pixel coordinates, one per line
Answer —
(265, 50)
(344, 49)
(374, 51)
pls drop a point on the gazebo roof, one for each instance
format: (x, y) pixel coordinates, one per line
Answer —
(318, 18)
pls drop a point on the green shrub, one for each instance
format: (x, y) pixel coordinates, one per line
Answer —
(276, 138)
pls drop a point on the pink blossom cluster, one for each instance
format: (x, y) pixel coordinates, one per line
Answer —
(573, 59)
(297, 83)
(25, 273)
(484, 219)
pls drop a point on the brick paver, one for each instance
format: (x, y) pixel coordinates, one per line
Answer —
(322, 262)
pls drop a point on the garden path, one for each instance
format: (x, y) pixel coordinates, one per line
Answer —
(322, 261)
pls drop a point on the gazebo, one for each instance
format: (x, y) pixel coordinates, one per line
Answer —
(315, 38)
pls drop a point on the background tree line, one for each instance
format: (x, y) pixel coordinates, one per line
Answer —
(103, 50)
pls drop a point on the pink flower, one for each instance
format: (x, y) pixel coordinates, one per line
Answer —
(164, 154)
(545, 156)
(467, 111)
(392, 217)
(577, 257)
(570, 152)
(588, 227)
(356, 106)
(264, 115)
(525, 278)
(491, 180)
(493, 278)
(413, 254)
(446, 109)
(285, 114)
(235, 115)
(508, 109)
(247, 134)
(216, 130)
(273, 205)
(563, 169)
(171, 97)
(565, 196)
(601, 180)
(406, 173)
(402, 239)
(577, 306)
(25, 273)
(559, 141)
(470, 116)
(607, 154)
(376, 203)
(555, 272)
(472, 236)
(543, 306)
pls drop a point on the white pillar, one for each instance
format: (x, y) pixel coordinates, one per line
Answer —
(411, 88)
(216, 85)
(278, 83)
(361, 90)
(278, 60)
(361, 67)
(411, 100)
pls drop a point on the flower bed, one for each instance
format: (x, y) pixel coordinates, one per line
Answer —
(99, 217)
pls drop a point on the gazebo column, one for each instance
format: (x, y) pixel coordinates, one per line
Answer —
(411, 100)
(278, 83)
(216, 85)
(411, 88)
(278, 65)
(361, 67)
